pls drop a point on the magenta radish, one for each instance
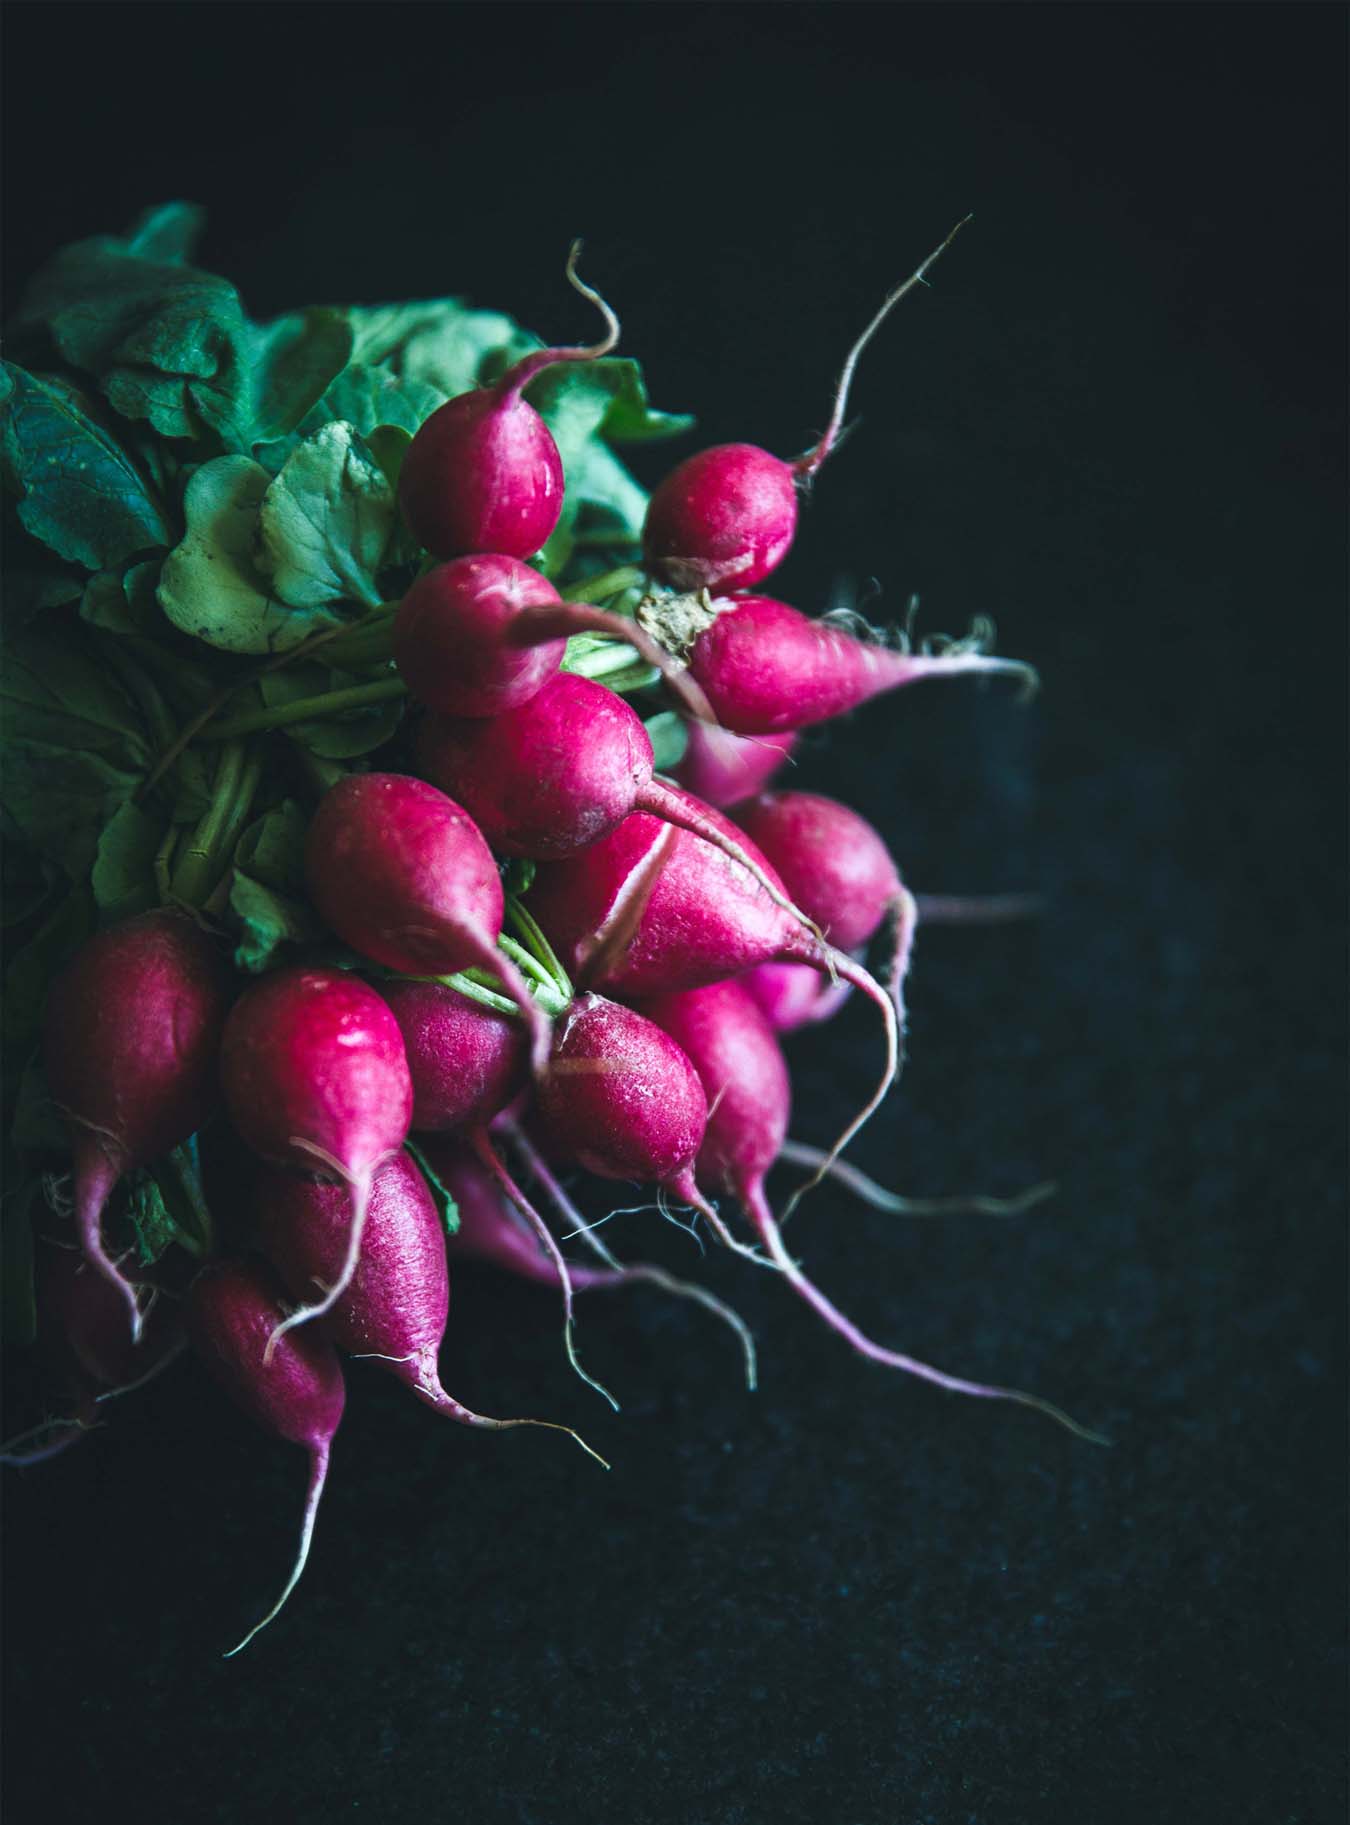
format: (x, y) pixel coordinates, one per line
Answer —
(466, 1062)
(793, 995)
(726, 517)
(744, 1076)
(766, 668)
(132, 1028)
(395, 1306)
(831, 860)
(296, 1393)
(483, 473)
(402, 874)
(557, 773)
(483, 634)
(492, 1230)
(315, 1076)
(650, 910)
(722, 768)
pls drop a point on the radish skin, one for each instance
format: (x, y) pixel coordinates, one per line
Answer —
(722, 768)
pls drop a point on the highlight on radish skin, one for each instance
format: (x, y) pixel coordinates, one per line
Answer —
(726, 517)
(394, 1308)
(131, 1031)
(295, 1391)
(315, 1076)
(740, 1065)
(483, 473)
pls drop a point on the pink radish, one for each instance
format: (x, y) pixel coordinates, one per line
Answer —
(233, 1308)
(483, 634)
(315, 1076)
(402, 874)
(722, 768)
(465, 1061)
(793, 995)
(830, 859)
(483, 473)
(733, 1049)
(132, 1028)
(649, 910)
(492, 1230)
(767, 668)
(395, 1306)
(557, 773)
(725, 518)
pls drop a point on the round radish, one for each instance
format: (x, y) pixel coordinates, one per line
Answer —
(730, 1045)
(295, 1391)
(725, 518)
(132, 1028)
(831, 860)
(315, 1076)
(483, 473)
(402, 874)
(465, 1061)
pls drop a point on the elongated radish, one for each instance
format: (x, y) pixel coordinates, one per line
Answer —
(722, 768)
(403, 875)
(132, 1027)
(724, 518)
(483, 473)
(650, 910)
(315, 1077)
(483, 634)
(733, 1049)
(767, 668)
(296, 1392)
(492, 1230)
(395, 1306)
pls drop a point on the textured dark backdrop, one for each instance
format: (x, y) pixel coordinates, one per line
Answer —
(1115, 422)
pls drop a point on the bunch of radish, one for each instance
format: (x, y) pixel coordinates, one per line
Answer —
(544, 959)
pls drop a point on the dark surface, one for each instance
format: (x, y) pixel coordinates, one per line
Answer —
(1115, 423)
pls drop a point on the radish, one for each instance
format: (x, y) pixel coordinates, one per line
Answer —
(315, 1076)
(767, 668)
(793, 995)
(404, 876)
(296, 1392)
(132, 1028)
(557, 773)
(722, 768)
(831, 861)
(395, 1307)
(483, 634)
(725, 518)
(650, 910)
(744, 1076)
(492, 1230)
(466, 1062)
(483, 473)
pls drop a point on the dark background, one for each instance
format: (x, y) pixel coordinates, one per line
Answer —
(1115, 422)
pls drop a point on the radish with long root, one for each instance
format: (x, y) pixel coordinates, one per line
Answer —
(395, 1306)
(733, 1049)
(402, 874)
(132, 1028)
(295, 1391)
(725, 518)
(315, 1077)
(483, 473)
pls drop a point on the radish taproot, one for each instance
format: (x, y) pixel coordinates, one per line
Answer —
(315, 1076)
(725, 517)
(738, 1060)
(233, 1309)
(483, 473)
(132, 1027)
(484, 633)
(402, 874)
(395, 1306)
(766, 668)
(492, 1230)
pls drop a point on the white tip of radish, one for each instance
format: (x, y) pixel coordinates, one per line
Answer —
(318, 1473)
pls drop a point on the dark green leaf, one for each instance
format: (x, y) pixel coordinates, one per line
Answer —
(123, 877)
(615, 389)
(79, 491)
(669, 735)
(445, 1203)
(340, 737)
(31, 589)
(150, 1218)
(292, 362)
(267, 885)
(441, 342)
(364, 397)
(167, 231)
(326, 522)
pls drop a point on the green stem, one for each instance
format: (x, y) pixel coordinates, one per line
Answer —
(364, 645)
(181, 1184)
(164, 865)
(609, 584)
(306, 709)
(237, 776)
(610, 662)
(539, 946)
(531, 965)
